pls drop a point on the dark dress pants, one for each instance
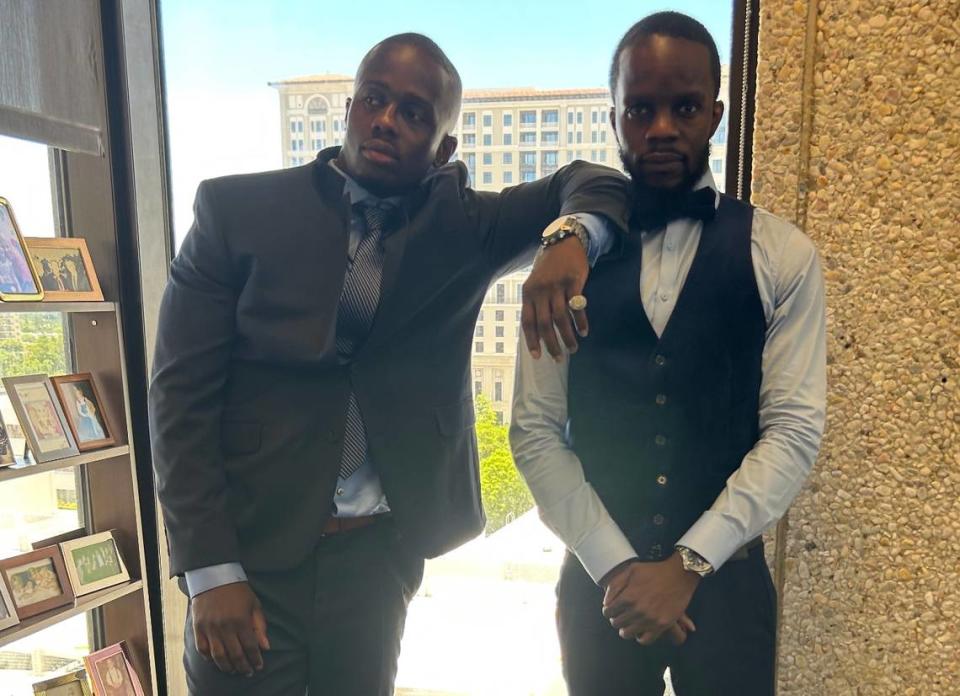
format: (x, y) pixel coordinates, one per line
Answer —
(334, 622)
(731, 653)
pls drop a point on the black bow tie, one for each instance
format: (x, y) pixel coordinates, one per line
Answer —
(651, 214)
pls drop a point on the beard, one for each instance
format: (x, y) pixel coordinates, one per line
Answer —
(665, 198)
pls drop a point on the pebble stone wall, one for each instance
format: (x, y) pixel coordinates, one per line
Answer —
(867, 162)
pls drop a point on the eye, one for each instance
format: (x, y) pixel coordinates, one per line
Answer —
(688, 108)
(637, 111)
(373, 99)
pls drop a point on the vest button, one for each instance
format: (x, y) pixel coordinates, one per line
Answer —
(655, 552)
(660, 440)
(659, 361)
(662, 480)
(661, 399)
(659, 519)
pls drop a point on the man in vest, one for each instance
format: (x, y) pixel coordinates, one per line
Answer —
(690, 416)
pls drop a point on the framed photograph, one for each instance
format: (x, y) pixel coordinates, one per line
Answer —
(37, 580)
(38, 410)
(6, 445)
(18, 277)
(84, 410)
(13, 429)
(58, 539)
(64, 269)
(93, 563)
(73, 684)
(8, 612)
(111, 673)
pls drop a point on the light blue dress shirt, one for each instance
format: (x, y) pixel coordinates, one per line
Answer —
(361, 494)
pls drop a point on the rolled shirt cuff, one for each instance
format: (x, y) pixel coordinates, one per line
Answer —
(713, 537)
(604, 549)
(201, 580)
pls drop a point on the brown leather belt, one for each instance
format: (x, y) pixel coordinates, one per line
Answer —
(339, 525)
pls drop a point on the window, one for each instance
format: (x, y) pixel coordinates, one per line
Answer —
(603, 155)
(316, 126)
(508, 139)
(478, 347)
(593, 137)
(469, 119)
(487, 139)
(569, 137)
(499, 332)
(469, 139)
(603, 136)
(480, 316)
(498, 391)
(499, 348)
(528, 176)
(580, 116)
(550, 158)
(336, 125)
(488, 177)
(550, 138)
(594, 116)
(498, 314)
(478, 332)
(518, 315)
(528, 159)
(508, 158)
(569, 155)
(716, 165)
(551, 118)
(488, 158)
(720, 137)
(579, 136)
(477, 388)
(508, 177)
(528, 118)
(570, 117)
(296, 125)
(507, 120)
(528, 138)
(487, 120)
(471, 159)
(316, 144)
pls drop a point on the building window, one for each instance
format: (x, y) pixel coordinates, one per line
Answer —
(508, 177)
(487, 120)
(498, 391)
(551, 117)
(478, 332)
(317, 144)
(316, 126)
(488, 158)
(487, 139)
(579, 136)
(507, 120)
(469, 120)
(499, 347)
(508, 139)
(528, 138)
(550, 158)
(720, 137)
(593, 137)
(499, 331)
(528, 118)
(569, 137)
(518, 315)
(527, 177)
(478, 346)
(716, 165)
(580, 117)
(528, 159)
(336, 125)
(603, 155)
(499, 417)
(480, 316)
(477, 388)
(469, 140)
(594, 116)
(488, 177)
(570, 117)
(508, 158)
(471, 159)
(296, 125)
(569, 155)
(501, 297)
(603, 136)
(550, 138)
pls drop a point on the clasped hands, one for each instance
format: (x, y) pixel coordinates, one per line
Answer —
(644, 601)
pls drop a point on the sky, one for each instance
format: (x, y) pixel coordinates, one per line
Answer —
(219, 56)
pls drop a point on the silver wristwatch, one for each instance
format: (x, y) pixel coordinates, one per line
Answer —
(694, 562)
(567, 227)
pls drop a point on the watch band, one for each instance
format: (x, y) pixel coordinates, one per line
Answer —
(569, 227)
(694, 562)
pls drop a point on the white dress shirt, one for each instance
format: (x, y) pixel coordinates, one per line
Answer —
(792, 401)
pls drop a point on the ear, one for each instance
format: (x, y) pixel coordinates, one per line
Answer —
(717, 116)
(447, 147)
(613, 121)
(349, 102)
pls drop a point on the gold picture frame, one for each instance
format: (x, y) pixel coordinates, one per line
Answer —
(72, 684)
(19, 281)
(64, 269)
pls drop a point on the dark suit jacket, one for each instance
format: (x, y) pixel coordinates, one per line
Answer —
(248, 399)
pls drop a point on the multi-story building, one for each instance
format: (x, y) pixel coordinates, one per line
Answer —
(506, 137)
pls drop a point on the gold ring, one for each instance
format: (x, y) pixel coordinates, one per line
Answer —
(577, 303)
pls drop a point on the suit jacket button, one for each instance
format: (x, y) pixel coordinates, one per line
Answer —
(658, 519)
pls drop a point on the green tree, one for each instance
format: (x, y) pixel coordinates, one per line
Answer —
(505, 495)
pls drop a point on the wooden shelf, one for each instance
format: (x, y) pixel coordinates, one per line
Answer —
(20, 470)
(81, 605)
(58, 307)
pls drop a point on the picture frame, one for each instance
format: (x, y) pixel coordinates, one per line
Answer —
(80, 399)
(7, 456)
(19, 281)
(37, 581)
(8, 611)
(72, 684)
(41, 417)
(94, 563)
(58, 539)
(111, 673)
(64, 269)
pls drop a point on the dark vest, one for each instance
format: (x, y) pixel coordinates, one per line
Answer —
(660, 424)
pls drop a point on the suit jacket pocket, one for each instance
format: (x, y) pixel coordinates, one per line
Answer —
(240, 437)
(455, 418)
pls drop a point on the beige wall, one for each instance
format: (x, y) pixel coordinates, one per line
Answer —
(857, 140)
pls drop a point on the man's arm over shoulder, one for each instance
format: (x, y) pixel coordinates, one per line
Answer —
(194, 342)
(513, 220)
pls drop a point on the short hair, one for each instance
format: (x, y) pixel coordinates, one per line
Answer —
(674, 24)
(432, 50)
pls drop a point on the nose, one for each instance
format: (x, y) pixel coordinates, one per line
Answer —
(663, 126)
(385, 120)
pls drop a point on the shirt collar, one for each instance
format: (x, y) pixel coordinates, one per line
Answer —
(358, 194)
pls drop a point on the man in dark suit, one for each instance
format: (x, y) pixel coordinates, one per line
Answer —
(311, 409)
